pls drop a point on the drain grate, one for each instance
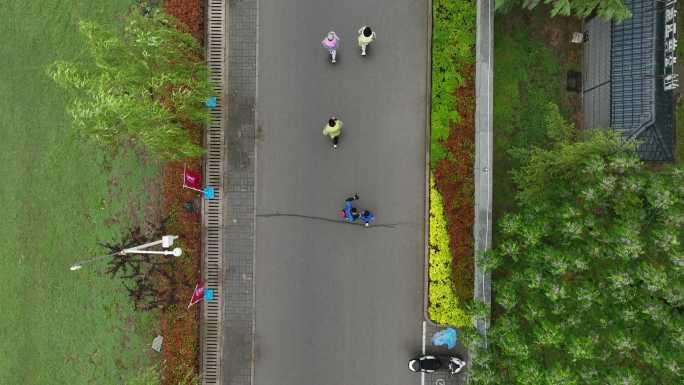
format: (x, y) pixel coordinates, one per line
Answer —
(212, 210)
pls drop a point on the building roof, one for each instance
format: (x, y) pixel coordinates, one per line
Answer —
(637, 105)
(596, 74)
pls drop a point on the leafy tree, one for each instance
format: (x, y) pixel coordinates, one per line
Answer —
(138, 86)
(606, 9)
(147, 278)
(590, 271)
(558, 130)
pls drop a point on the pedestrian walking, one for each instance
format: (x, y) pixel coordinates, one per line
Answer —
(366, 36)
(331, 43)
(333, 130)
(350, 213)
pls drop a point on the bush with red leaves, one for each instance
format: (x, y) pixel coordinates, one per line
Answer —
(454, 180)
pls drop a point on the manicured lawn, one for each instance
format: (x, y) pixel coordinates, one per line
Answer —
(58, 326)
(531, 56)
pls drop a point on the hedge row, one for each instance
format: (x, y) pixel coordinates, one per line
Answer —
(444, 306)
(452, 48)
(453, 41)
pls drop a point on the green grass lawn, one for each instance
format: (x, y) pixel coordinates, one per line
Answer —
(531, 57)
(58, 326)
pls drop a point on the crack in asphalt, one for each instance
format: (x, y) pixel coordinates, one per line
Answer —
(277, 214)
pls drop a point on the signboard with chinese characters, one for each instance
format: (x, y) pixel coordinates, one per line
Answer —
(670, 81)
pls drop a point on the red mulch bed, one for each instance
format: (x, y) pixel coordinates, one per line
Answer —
(190, 13)
(454, 180)
(180, 326)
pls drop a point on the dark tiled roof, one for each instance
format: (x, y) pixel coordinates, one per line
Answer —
(639, 107)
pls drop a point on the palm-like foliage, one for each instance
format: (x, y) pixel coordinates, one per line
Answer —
(605, 9)
(138, 85)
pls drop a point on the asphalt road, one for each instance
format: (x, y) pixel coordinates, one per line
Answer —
(339, 304)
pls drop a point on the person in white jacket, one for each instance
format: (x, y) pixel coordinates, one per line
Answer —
(366, 36)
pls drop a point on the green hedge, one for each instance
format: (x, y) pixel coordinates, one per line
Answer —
(444, 306)
(453, 40)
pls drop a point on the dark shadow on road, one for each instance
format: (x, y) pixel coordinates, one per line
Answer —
(387, 225)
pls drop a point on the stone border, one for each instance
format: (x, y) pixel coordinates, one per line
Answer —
(428, 141)
(482, 230)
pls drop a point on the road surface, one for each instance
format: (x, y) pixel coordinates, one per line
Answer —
(339, 304)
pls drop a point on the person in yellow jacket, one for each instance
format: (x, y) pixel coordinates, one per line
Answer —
(366, 36)
(333, 130)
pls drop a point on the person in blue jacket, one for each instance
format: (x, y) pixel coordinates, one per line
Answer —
(366, 217)
(351, 214)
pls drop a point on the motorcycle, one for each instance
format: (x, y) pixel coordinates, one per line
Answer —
(431, 364)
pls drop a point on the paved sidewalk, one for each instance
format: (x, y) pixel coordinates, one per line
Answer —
(484, 67)
(240, 94)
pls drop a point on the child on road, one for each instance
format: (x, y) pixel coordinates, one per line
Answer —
(350, 213)
(366, 217)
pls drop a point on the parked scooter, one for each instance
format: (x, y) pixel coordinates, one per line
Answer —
(431, 364)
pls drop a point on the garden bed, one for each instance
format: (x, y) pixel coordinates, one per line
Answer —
(454, 180)
(190, 13)
(180, 326)
(452, 155)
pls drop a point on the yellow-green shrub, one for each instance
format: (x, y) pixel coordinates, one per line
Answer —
(444, 307)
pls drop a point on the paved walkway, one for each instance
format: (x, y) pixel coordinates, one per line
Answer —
(338, 304)
(238, 275)
(313, 301)
(484, 69)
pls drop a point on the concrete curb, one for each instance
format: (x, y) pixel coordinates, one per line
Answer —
(428, 141)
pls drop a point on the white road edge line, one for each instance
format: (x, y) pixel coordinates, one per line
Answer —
(422, 374)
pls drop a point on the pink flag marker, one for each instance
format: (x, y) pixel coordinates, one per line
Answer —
(198, 294)
(192, 180)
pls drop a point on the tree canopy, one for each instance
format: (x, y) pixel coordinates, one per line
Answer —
(138, 86)
(605, 9)
(589, 272)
